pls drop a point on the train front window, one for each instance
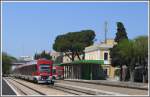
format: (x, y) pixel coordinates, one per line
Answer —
(44, 68)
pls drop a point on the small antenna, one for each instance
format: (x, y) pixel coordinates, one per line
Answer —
(106, 30)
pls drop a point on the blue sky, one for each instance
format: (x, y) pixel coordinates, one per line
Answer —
(30, 27)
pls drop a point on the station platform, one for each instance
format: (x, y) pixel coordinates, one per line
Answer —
(134, 85)
(104, 87)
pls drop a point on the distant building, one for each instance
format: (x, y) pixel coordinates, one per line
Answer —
(26, 58)
(21, 60)
(54, 54)
(16, 64)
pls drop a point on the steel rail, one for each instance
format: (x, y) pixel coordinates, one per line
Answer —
(27, 87)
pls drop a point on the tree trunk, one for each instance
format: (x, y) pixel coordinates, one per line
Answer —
(120, 72)
(144, 75)
(127, 74)
(78, 55)
(123, 73)
(72, 56)
(131, 75)
(83, 57)
(68, 55)
(144, 80)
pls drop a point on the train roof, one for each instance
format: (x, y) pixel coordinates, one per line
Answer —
(33, 62)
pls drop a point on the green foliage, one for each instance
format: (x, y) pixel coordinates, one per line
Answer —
(117, 72)
(129, 52)
(116, 58)
(43, 55)
(133, 53)
(74, 42)
(121, 32)
(6, 62)
(141, 45)
(126, 50)
(114, 54)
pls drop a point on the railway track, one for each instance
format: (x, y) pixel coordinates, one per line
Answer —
(22, 88)
(78, 90)
(66, 90)
(29, 88)
(70, 91)
(32, 91)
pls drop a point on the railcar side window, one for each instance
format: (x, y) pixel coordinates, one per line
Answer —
(34, 68)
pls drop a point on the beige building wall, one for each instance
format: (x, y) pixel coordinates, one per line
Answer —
(109, 42)
(91, 55)
(54, 54)
(101, 54)
(97, 55)
(112, 72)
(66, 59)
(96, 52)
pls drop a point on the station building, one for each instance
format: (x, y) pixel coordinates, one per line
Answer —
(97, 55)
(101, 51)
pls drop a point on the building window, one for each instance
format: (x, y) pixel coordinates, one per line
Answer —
(105, 56)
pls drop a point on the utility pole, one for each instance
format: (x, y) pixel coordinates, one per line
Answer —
(106, 30)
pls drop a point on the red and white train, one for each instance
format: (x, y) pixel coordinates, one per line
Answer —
(58, 72)
(39, 71)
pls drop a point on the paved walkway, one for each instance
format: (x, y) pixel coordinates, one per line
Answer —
(126, 91)
(142, 86)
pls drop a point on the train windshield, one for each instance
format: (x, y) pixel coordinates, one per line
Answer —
(44, 68)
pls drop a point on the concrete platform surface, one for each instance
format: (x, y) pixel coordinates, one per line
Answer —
(101, 87)
(134, 85)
